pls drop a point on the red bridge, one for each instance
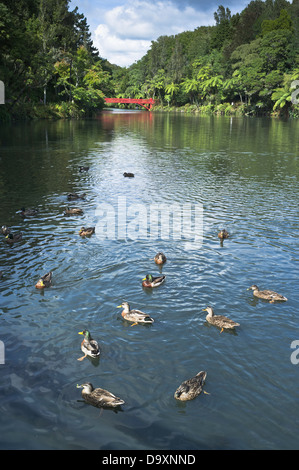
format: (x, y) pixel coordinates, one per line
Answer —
(141, 101)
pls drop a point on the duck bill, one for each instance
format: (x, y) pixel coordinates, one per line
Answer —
(40, 285)
(80, 333)
(119, 306)
(79, 386)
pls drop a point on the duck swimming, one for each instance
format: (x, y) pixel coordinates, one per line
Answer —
(74, 196)
(267, 294)
(86, 232)
(129, 175)
(219, 320)
(13, 237)
(151, 281)
(135, 316)
(160, 258)
(28, 212)
(223, 234)
(89, 346)
(5, 230)
(44, 281)
(73, 211)
(191, 388)
(99, 397)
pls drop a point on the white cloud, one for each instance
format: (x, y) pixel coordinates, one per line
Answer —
(127, 31)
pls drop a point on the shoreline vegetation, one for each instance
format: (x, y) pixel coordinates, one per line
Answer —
(247, 64)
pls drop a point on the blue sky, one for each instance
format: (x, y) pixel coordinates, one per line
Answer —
(122, 30)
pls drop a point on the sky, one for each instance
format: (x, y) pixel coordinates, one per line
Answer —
(122, 30)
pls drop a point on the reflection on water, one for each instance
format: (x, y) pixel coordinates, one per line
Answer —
(244, 172)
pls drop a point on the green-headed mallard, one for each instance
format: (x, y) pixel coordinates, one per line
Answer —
(74, 196)
(73, 211)
(223, 234)
(44, 281)
(160, 258)
(129, 175)
(13, 237)
(28, 212)
(219, 320)
(135, 316)
(99, 397)
(89, 346)
(86, 232)
(151, 281)
(5, 230)
(267, 294)
(191, 388)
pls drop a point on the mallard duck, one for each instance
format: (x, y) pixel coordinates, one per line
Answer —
(219, 320)
(129, 175)
(99, 397)
(44, 281)
(5, 230)
(267, 294)
(191, 388)
(13, 237)
(28, 212)
(89, 346)
(83, 168)
(74, 196)
(86, 232)
(223, 234)
(73, 211)
(160, 258)
(150, 281)
(135, 316)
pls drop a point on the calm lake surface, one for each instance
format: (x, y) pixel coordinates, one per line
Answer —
(243, 172)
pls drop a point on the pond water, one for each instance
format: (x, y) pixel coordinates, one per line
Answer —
(240, 174)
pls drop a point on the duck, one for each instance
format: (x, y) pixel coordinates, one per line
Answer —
(223, 234)
(13, 237)
(160, 258)
(99, 397)
(74, 196)
(83, 168)
(5, 230)
(135, 316)
(73, 211)
(151, 281)
(89, 346)
(191, 388)
(86, 232)
(267, 294)
(129, 175)
(219, 320)
(44, 281)
(28, 212)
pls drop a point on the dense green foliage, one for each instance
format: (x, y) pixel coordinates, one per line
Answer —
(244, 64)
(48, 63)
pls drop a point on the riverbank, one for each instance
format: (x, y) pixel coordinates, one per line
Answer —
(35, 111)
(230, 109)
(68, 110)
